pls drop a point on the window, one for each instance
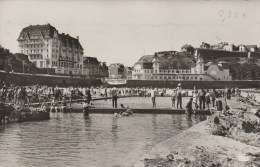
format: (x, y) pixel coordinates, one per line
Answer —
(161, 78)
(41, 63)
(177, 71)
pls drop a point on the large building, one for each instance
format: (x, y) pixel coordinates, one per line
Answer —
(47, 48)
(116, 71)
(151, 69)
(93, 68)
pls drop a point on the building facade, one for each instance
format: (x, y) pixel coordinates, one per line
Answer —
(116, 71)
(47, 48)
(150, 70)
(93, 68)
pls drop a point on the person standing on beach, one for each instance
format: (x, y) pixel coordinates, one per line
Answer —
(207, 99)
(179, 96)
(114, 97)
(202, 98)
(153, 97)
(173, 97)
(88, 94)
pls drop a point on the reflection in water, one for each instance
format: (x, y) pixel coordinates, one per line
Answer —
(97, 140)
(114, 130)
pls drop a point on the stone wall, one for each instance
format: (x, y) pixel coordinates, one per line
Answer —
(30, 79)
(191, 84)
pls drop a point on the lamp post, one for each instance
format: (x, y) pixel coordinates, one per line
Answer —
(23, 66)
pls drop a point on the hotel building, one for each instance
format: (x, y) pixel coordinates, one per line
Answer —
(47, 48)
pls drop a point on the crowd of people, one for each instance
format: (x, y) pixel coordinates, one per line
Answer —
(57, 98)
(200, 99)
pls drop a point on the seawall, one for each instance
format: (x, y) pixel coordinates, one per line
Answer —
(49, 80)
(191, 84)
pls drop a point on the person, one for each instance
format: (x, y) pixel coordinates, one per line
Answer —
(213, 97)
(54, 105)
(219, 105)
(195, 97)
(29, 96)
(85, 108)
(207, 99)
(188, 110)
(173, 97)
(63, 104)
(179, 95)
(153, 97)
(88, 94)
(44, 104)
(114, 97)
(228, 93)
(202, 98)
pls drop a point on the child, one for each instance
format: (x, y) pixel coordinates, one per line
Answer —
(173, 97)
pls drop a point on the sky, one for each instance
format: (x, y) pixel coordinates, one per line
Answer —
(122, 31)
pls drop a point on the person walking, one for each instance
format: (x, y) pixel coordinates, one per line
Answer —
(173, 97)
(179, 96)
(153, 96)
(114, 97)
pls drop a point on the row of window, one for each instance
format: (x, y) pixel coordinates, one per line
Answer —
(165, 71)
(177, 77)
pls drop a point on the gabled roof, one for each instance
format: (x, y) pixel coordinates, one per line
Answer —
(90, 60)
(69, 41)
(44, 31)
(48, 31)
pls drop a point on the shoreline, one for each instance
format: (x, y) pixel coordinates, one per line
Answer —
(233, 141)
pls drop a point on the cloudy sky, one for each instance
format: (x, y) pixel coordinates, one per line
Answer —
(123, 31)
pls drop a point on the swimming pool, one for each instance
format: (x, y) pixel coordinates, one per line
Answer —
(96, 141)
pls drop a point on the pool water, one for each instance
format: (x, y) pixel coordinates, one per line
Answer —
(95, 141)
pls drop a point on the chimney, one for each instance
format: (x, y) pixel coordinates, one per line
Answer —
(78, 38)
(68, 34)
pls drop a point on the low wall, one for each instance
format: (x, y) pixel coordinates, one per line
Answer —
(30, 79)
(191, 84)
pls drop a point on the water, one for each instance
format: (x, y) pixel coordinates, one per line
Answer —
(138, 102)
(96, 141)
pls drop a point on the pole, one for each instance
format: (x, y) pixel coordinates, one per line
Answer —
(23, 66)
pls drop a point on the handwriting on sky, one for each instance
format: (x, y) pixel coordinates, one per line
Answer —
(226, 15)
